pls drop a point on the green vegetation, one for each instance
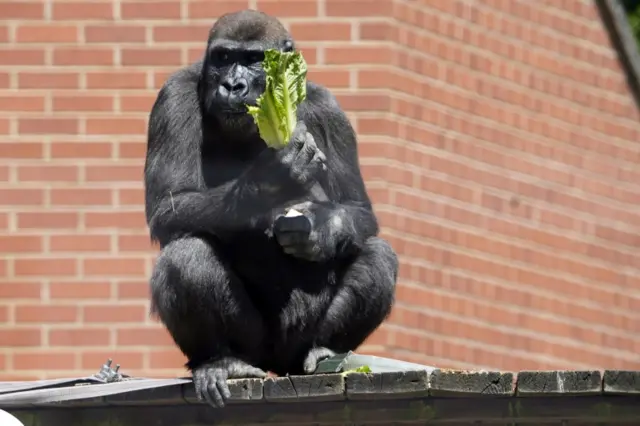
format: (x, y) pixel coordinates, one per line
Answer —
(275, 113)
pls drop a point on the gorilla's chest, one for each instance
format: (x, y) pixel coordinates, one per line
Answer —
(218, 171)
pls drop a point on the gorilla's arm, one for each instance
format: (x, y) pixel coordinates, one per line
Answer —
(342, 225)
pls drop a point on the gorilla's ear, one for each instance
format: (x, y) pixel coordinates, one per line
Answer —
(288, 46)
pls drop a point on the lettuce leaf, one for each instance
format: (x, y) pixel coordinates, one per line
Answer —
(275, 112)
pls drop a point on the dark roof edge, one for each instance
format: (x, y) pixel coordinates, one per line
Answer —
(615, 20)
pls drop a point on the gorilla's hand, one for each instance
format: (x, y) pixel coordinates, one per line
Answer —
(210, 379)
(310, 231)
(302, 157)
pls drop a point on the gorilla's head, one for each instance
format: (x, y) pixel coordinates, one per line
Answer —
(232, 74)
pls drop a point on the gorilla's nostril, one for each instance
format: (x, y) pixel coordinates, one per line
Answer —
(235, 87)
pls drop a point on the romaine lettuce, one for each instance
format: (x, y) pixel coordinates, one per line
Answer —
(275, 112)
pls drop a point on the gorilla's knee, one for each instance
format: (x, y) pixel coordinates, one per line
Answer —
(180, 272)
(383, 260)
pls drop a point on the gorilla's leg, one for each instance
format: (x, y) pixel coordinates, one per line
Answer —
(209, 314)
(363, 301)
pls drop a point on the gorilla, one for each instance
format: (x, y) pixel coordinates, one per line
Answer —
(242, 287)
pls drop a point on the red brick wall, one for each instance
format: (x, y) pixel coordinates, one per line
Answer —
(498, 138)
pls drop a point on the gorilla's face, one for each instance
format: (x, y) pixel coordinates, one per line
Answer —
(233, 79)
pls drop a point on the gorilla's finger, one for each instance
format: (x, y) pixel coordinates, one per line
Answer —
(255, 372)
(314, 356)
(223, 390)
(307, 151)
(213, 394)
(313, 167)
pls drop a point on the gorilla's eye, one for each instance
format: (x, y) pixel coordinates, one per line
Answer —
(220, 56)
(254, 57)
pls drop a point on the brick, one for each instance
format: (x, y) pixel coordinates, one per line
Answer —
(130, 290)
(22, 10)
(121, 220)
(321, 31)
(19, 337)
(200, 9)
(45, 267)
(122, 267)
(74, 56)
(20, 290)
(39, 126)
(75, 243)
(21, 197)
(4, 80)
(360, 55)
(114, 173)
(131, 243)
(376, 31)
(182, 33)
(132, 150)
(74, 337)
(359, 8)
(14, 56)
(45, 313)
(144, 336)
(48, 80)
(149, 56)
(22, 103)
(77, 102)
(20, 244)
(137, 103)
(163, 359)
(48, 220)
(116, 126)
(364, 102)
(81, 197)
(79, 10)
(79, 290)
(330, 78)
(116, 80)
(129, 360)
(150, 10)
(130, 197)
(48, 173)
(90, 150)
(289, 8)
(44, 361)
(115, 33)
(47, 34)
(114, 313)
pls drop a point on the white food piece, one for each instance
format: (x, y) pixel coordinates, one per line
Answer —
(293, 213)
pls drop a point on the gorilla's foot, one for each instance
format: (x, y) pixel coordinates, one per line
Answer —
(314, 356)
(210, 379)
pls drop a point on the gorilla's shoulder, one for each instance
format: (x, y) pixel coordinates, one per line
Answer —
(183, 78)
(320, 97)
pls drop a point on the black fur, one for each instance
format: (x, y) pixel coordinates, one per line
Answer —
(241, 288)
